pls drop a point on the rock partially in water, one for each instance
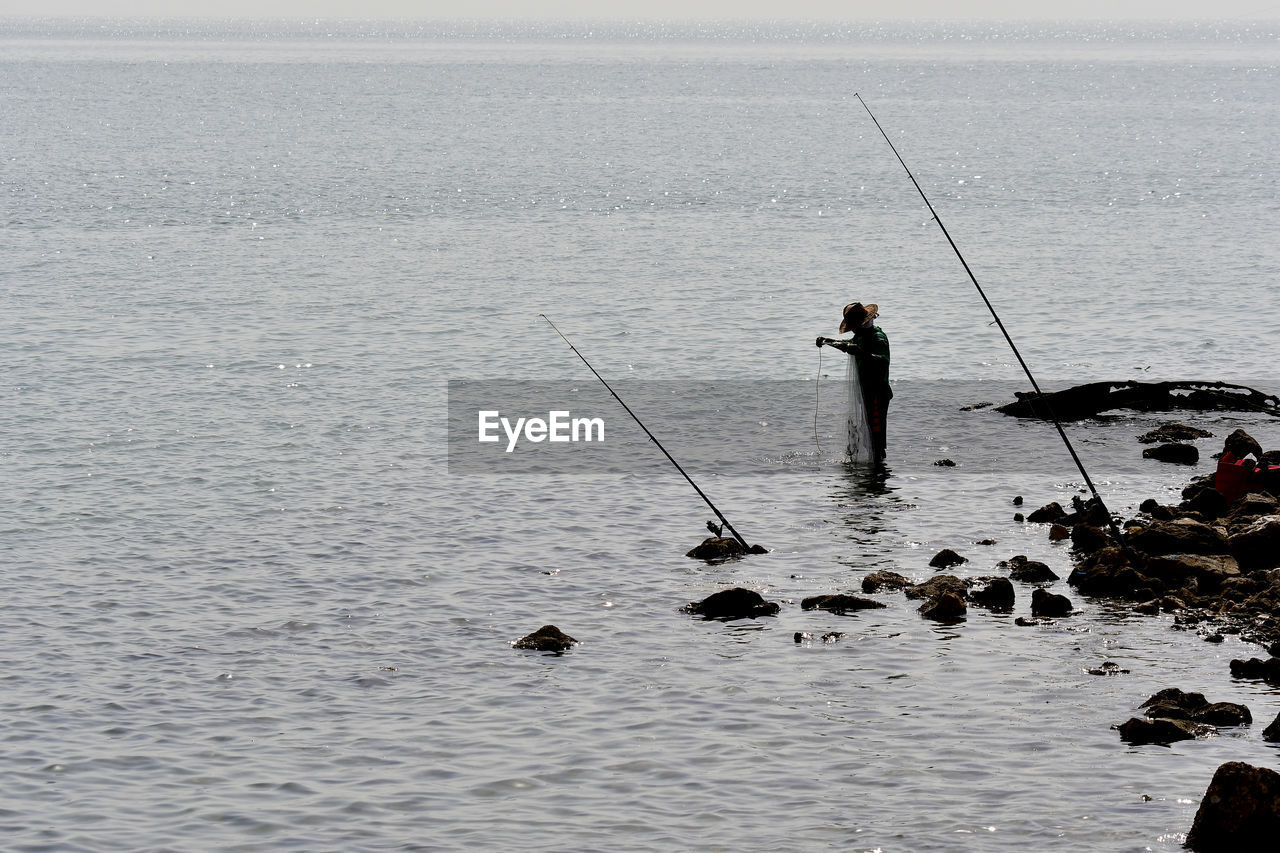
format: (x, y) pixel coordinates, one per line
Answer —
(1045, 603)
(995, 593)
(1173, 432)
(884, 579)
(937, 585)
(1048, 513)
(1224, 714)
(944, 607)
(839, 603)
(722, 548)
(548, 638)
(1268, 670)
(1058, 532)
(1164, 732)
(1240, 811)
(1088, 538)
(1271, 733)
(833, 636)
(1178, 454)
(1108, 668)
(1174, 704)
(1181, 536)
(946, 558)
(1027, 571)
(730, 604)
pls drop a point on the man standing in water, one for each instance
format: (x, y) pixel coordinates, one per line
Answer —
(870, 348)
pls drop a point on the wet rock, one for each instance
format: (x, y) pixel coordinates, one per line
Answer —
(1268, 669)
(1224, 714)
(1138, 730)
(1176, 698)
(1173, 432)
(1240, 444)
(1178, 454)
(937, 585)
(832, 636)
(1108, 668)
(1240, 811)
(985, 542)
(944, 607)
(1271, 733)
(1048, 513)
(801, 636)
(883, 579)
(717, 548)
(975, 406)
(1214, 638)
(1148, 608)
(1045, 603)
(1027, 571)
(946, 558)
(1209, 570)
(1017, 500)
(1017, 516)
(548, 638)
(730, 604)
(1181, 536)
(1024, 622)
(1086, 538)
(996, 594)
(945, 463)
(1250, 507)
(839, 603)
(1258, 544)
(1058, 532)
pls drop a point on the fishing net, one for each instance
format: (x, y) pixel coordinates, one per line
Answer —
(857, 429)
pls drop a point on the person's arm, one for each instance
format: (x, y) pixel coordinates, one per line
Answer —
(842, 345)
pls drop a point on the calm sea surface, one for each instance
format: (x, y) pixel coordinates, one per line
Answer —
(250, 608)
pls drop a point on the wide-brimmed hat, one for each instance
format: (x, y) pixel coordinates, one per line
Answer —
(855, 314)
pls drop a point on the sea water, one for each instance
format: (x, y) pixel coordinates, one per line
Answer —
(250, 604)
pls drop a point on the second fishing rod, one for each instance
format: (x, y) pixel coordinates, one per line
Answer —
(1040, 398)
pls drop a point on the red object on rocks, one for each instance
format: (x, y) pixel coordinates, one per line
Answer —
(1233, 476)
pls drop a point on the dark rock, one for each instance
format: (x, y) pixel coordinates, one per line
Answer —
(1149, 608)
(1148, 505)
(1138, 730)
(1268, 669)
(801, 636)
(1258, 544)
(945, 463)
(1250, 507)
(1240, 444)
(832, 636)
(937, 585)
(1207, 502)
(1058, 532)
(730, 604)
(1188, 702)
(877, 581)
(1048, 513)
(1045, 603)
(997, 594)
(1108, 668)
(1271, 733)
(1173, 432)
(717, 548)
(548, 638)
(1017, 500)
(1181, 536)
(1209, 570)
(1170, 603)
(975, 406)
(839, 603)
(1224, 714)
(1214, 638)
(1024, 622)
(1017, 516)
(1027, 571)
(1086, 538)
(985, 542)
(1240, 811)
(944, 607)
(1179, 454)
(1092, 398)
(946, 558)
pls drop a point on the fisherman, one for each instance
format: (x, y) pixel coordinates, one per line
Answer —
(870, 348)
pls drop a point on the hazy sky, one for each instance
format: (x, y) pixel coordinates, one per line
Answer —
(682, 9)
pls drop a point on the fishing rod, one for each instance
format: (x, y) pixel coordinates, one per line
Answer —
(652, 437)
(1115, 531)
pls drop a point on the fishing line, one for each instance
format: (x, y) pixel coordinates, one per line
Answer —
(652, 437)
(1115, 531)
(816, 383)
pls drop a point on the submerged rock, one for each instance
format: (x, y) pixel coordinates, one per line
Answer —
(1108, 668)
(839, 603)
(548, 638)
(1173, 432)
(730, 604)
(1179, 454)
(946, 558)
(1240, 811)
(1045, 603)
(884, 579)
